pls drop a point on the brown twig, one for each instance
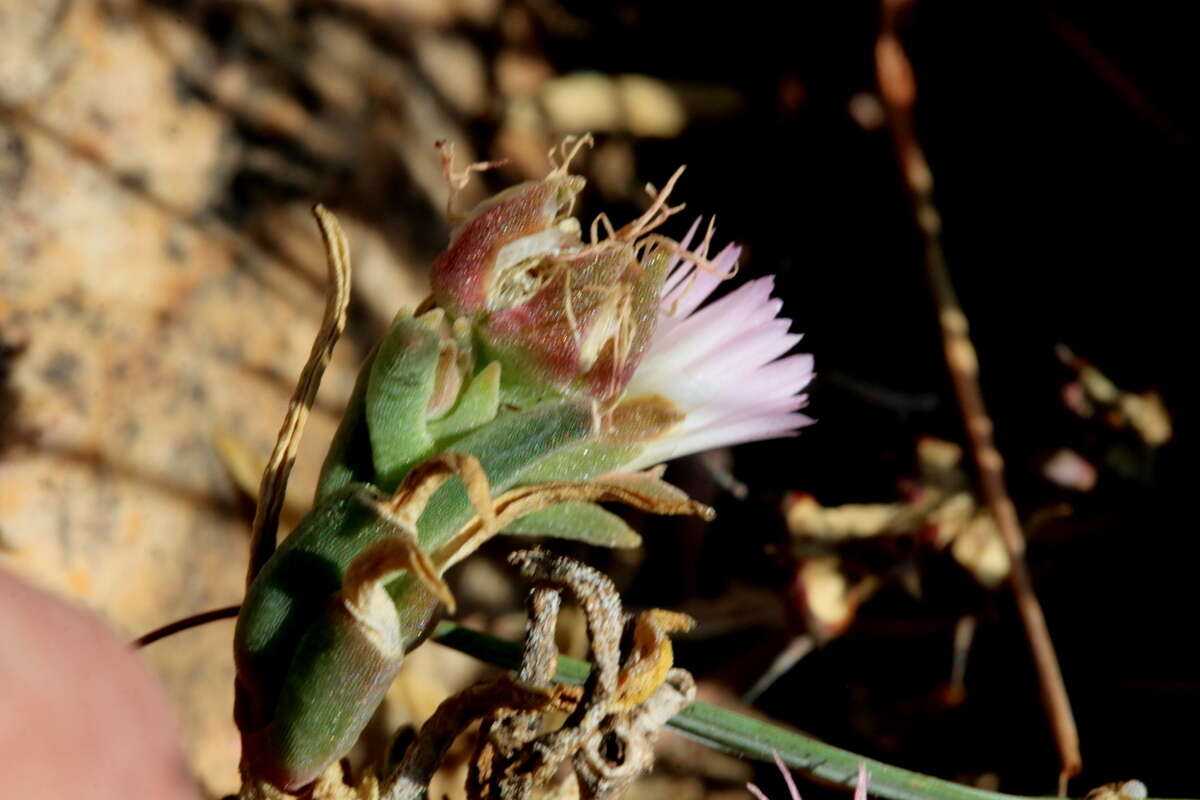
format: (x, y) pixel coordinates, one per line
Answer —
(898, 90)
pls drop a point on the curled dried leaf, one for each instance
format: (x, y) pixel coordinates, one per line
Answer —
(609, 735)
(381, 561)
(651, 656)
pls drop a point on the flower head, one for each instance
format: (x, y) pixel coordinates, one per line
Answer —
(618, 319)
(587, 322)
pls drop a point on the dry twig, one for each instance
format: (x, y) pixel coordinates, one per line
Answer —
(898, 90)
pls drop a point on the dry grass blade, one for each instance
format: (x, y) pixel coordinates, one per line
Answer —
(275, 477)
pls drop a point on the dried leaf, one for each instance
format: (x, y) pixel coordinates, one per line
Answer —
(978, 547)
(275, 477)
(382, 560)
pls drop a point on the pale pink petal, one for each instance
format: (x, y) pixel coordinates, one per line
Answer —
(712, 437)
(712, 326)
(731, 411)
(723, 364)
(676, 271)
(752, 349)
(785, 376)
(694, 285)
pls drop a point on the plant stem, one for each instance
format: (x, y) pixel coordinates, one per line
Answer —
(734, 733)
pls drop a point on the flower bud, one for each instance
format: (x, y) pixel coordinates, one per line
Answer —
(520, 225)
(585, 323)
(561, 317)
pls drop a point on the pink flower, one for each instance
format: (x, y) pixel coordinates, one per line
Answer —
(724, 365)
(618, 320)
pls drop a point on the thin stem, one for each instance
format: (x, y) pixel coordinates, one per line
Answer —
(194, 621)
(799, 647)
(964, 636)
(731, 732)
(898, 91)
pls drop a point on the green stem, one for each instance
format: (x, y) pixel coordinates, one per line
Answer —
(734, 733)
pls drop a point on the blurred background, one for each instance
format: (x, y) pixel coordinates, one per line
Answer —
(161, 281)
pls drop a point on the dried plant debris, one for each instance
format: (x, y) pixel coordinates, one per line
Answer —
(611, 723)
(1121, 790)
(827, 597)
(1093, 396)
(939, 507)
(1126, 432)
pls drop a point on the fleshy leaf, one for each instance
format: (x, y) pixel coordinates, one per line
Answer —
(580, 522)
(506, 447)
(349, 458)
(401, 382)
(341, 671)
(645, 491)
(381, 561)
(477, 405)
(650, 485)
(581, 460)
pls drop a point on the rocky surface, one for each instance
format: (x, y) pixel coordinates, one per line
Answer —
(160, 284)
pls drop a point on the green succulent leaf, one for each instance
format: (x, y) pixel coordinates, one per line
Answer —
(476, 406)
(349, 458)
(580, 522)
(402, 378)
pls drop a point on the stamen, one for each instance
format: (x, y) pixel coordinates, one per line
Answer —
(459, 180)
(601, 219)
(694, 261)
(659, 211)
(575, 143)
(653, 217)
(569, 309)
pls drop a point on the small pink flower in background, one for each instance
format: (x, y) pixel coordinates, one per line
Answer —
(721, 365)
